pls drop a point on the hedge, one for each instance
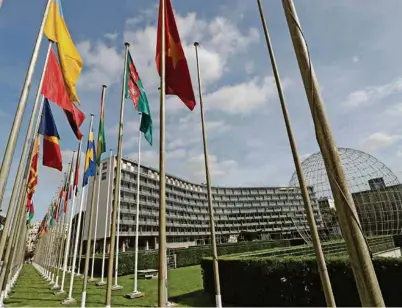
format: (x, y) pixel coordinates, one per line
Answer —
(336, 247)
(184, 256)
(294, 281)
(194, 255)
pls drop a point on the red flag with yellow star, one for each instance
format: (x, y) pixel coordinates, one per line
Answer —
(178, 80)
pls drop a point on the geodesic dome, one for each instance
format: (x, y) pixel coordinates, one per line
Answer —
(375, 189)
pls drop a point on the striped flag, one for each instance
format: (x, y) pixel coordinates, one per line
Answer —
(33, 172)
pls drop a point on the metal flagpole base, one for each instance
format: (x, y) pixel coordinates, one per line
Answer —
(55, 287)
(59, 292)
(116, 287)
(68, 301)
(134, 294)
(170, 304)
(101, 283)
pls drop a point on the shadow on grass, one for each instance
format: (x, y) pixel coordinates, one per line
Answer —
(194, 299)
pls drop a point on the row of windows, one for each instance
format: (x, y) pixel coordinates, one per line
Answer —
(129, 172)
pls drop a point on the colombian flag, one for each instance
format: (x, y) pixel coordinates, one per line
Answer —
(90, 164)
(71, 63)
(51, 147)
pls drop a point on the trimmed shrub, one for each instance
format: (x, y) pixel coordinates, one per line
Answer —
(194, 255)
(295, 281)
(184, 256)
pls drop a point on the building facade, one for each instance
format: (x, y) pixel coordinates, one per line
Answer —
(271, 211)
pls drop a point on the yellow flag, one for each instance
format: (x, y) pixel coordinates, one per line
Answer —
(70, 60)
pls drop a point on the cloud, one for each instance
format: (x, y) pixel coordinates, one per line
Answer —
(249, 67)
(219, 39)
(214, 127)
(176, 154)
(378, 141)
(243, 97)
(111, 36)
(394, 110)
(373, 93)
(148, 158)
(355, 59)
(218, 168)
(104, 65)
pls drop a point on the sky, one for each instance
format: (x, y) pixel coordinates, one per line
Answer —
(354, 46)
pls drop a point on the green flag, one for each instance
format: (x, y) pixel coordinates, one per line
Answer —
(101, 148)
(135, 91)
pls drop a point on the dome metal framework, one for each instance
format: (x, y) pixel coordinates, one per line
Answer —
(375, 189)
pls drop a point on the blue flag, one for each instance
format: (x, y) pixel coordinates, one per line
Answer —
(90, 159)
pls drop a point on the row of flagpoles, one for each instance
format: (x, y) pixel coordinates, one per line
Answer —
(57, 85)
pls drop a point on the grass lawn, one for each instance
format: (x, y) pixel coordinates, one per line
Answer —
(185, 289)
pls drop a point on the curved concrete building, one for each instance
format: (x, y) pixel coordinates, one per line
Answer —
(271, 211)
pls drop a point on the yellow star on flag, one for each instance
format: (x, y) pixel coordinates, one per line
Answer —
(174, 52)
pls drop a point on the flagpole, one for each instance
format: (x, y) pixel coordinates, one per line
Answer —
(359, 255)
(98, 163)
(89, 238)
(96, 227)
(13, 240)
(111, 171)
(116, 286)
(59, 250)
(22, 195)
(322, 268)
(70, 222)
(70, 298)
(135, 293)
(55, 246)
(218, 298)
(62, 227)
(18, 181)
(162, 277)
(15, 129)
(116, 199)
(84, 224)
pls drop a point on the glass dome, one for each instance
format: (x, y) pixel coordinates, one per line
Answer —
(375, 189)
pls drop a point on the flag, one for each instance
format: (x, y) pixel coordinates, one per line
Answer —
(71, 63)
(101, 147)
(75, 119)
(54, 89)
(135, 91)
(178, 80)
(33, 171)
(90, 165)
(51, 148)
(31, 212)
(43, 226)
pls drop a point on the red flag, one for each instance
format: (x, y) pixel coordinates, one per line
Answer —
(178, 80)
(54, 89)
